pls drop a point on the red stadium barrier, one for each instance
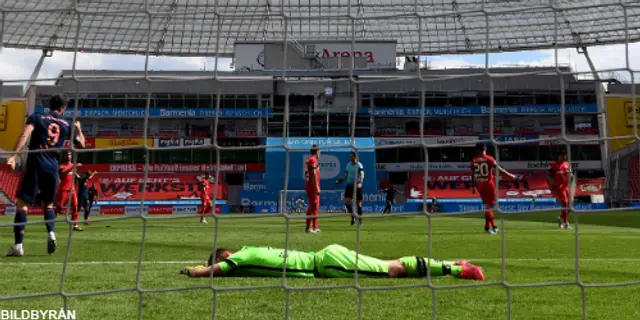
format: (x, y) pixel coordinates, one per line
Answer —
(3, 209)
(129, 187)
(459, 185)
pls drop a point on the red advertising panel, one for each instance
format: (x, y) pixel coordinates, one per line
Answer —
(111, 209)
(3, 209)
(174, 168)
(129, 187)
(459, 185)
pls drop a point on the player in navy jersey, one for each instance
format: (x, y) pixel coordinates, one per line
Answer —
(42, 131)
(84, 200)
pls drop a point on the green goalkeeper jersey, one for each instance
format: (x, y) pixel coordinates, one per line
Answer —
(268, 262)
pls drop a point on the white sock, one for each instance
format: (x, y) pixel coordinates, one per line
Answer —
(18, 247)
(52, 235)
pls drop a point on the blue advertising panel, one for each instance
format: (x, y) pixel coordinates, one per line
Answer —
(333, 162)
(254, 176)
(165, 113)
(512, 207)
(479, 110)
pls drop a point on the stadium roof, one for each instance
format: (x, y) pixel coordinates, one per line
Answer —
(210, 27)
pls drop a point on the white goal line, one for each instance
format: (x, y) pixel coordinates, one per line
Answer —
(202, 261)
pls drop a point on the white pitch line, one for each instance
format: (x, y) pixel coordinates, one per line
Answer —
(201, 261)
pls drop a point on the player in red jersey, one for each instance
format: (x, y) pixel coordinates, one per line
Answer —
(312, 186)
(66, 189)
(559, 179)
(484, 183)
(206, 206)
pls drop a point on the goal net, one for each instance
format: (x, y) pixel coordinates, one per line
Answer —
(395, 94)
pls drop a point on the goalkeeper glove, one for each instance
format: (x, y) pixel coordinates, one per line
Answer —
(187, 270)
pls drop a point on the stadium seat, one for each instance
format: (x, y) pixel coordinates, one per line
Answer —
(9, 181)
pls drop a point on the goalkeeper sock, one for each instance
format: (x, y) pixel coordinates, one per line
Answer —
(18, 231)
(86, 213)
(359, 210)
(417, 267)
(50, 215)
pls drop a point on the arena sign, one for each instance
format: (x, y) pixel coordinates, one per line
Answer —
(251, 55)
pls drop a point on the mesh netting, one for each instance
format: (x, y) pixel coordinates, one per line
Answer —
(559, 25)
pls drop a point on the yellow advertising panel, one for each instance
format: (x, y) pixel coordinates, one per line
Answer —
(114, 143)
(620, 112)
(11, 123)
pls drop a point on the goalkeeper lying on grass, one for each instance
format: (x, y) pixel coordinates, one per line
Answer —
(334, 261)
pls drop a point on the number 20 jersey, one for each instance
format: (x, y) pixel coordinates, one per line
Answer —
(482, 167)
(49, 132)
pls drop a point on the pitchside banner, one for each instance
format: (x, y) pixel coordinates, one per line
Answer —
(333, 162)
(175, 168)
(459, 185)
(165, 187)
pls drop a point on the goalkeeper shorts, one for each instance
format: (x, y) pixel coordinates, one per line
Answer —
(336, 261)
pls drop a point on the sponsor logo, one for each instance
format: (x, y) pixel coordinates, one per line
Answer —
(329, 167)
(195, 142)
(547, 165)
(185, 210)
(177, 113)
(590, 187)
(160, 210)
(112, 210)
(169, 142)
(248, 186)
(325, 53)
(249, 202)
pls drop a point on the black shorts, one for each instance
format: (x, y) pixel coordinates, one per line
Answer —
(348, 192)
(38, 186)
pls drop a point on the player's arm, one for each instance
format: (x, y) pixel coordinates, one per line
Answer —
(343, 178)
(506, 173)
(64, 171)
(313, 179)
(202, 271)
(22, 142)
(473, 179)
(550, 174)
(78, 140)
(501, 169)
(361, 174)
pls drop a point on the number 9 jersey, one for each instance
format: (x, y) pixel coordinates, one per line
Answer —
(49, 132)
(41, 173)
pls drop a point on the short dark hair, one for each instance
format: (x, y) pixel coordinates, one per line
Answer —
(57, 102)
(215, 255)
(562, 152)
(314, 149)
(353, 153)
(480, 146)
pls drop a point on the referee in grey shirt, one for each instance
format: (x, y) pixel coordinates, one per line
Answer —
(354, 175)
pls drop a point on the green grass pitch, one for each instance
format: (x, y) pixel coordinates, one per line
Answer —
(105, 258)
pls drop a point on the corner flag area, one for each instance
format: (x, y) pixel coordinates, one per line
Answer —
(540, 275)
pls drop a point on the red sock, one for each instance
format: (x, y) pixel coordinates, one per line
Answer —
(565, 216)
(308, 221)
(74, 214)
(488, 217)
(315, 223)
